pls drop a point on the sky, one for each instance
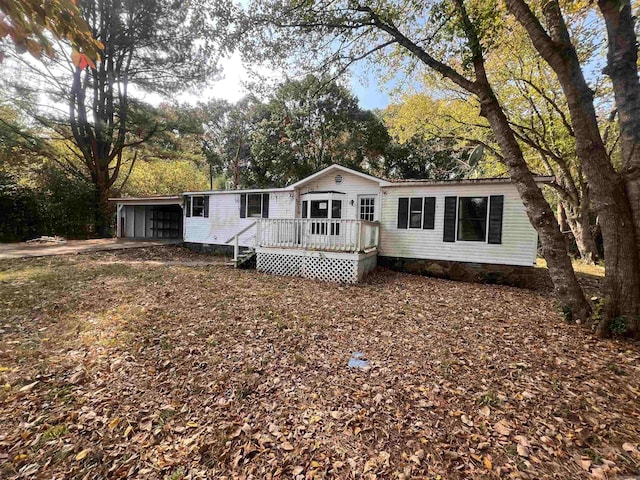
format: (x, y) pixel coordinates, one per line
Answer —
(371, 93)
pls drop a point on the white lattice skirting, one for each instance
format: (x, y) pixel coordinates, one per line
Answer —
(327, 266)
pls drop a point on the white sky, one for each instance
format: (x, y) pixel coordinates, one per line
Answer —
(232, 86)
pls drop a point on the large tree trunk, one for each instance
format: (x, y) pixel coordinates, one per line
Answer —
(607, 187)
(622, 68)
(622, 59)
(539, 212)
(103, 210)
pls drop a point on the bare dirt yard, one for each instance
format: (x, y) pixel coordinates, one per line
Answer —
(159, 363)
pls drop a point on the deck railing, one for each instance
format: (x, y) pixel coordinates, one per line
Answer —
(335, 235)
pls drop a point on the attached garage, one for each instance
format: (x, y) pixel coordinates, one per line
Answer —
(149, 217)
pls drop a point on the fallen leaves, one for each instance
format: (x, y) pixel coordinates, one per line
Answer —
(501, 428)
(154, 369)
(83, 454)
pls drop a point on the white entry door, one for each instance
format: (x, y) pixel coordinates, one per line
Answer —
(324, 229)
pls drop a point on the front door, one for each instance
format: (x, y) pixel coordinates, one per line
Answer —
(323, 231)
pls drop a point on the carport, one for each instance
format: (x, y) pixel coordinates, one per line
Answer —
(149, 217)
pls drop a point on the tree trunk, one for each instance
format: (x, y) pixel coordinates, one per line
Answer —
(539, 212)
(562, 218)
(607, 187)
(622, 68)
(579, 223)
(103, 210)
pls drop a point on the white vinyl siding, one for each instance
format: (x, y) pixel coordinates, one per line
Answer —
(352, 186)
(224, 218)
(519, 239)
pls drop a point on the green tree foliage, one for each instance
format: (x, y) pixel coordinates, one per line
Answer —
(308, 125)
(165, 177)
(424, 158)
(19, 210)
(227, 139)
(52, 202)
(172, 160)
(149, 45)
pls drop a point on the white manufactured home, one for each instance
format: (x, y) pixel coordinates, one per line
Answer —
(337, 223)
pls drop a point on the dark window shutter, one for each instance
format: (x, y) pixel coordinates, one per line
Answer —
(449, 219)
(403, 212)
(243, 205)
(187, 202)
(496, 207)
(265, 205)
(305, 206)
(206, 205)
(428, 222)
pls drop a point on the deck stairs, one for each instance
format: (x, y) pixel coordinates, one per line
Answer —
(241, 256)
(244, 257)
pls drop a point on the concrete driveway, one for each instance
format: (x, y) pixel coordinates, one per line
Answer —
(24, 250)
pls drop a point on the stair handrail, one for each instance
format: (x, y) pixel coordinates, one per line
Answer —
(236, 241)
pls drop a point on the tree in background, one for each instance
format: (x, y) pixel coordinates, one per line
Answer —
(424, 158)
(310, 124)
(227, 142)
(149, 45)
(172, 160)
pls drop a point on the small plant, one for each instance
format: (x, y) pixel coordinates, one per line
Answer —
(567, 313)
(619, 326)
(445, 368)
(176, 474)
(490, 399)
(54, 432)
(165, 344)
(615, 369)
(165, 416)
(556, 384)
(299, 359)
(281, 325)
(598, 307)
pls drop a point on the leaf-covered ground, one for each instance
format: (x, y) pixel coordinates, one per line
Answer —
(161, 363)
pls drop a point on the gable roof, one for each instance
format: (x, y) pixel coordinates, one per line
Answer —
(342, 169)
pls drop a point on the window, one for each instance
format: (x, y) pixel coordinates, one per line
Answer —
(415, 213)
(319, 209)
(336, 208)
(472, 219)
(336, 212)
(197, 206)
(418, 212)
(254, 205)
(367, 208)
(305, 206)
(197, 209)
